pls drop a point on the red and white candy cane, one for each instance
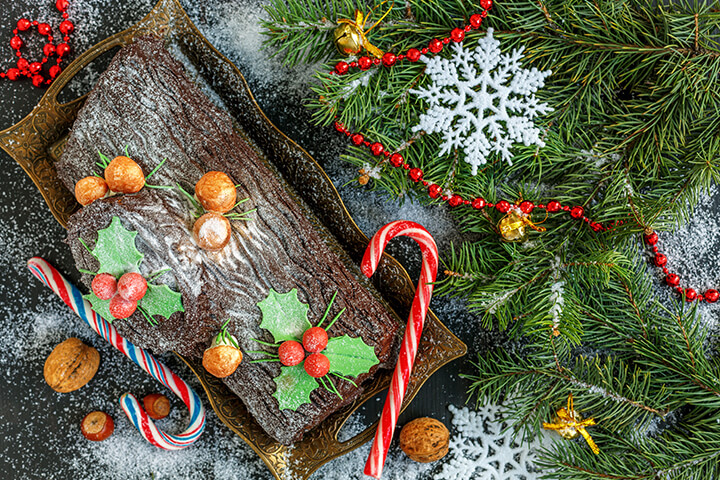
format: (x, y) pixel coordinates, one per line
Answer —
(72, 297)
(401, 376)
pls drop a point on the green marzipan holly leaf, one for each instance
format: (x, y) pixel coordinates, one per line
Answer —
(115, 250)
(350, 356)
(294, 386)
(101, 307)
(160, 300)
(284, 316)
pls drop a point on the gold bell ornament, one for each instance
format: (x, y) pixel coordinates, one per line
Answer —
(350, 36)
(513, 226)
(569, 424)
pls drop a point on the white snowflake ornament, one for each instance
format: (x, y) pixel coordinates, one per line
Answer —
(482, 101)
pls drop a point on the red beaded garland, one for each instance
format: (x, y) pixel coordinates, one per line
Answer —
(711, 295)
(455, 200)
(651, 238)
(396, 160)
(434, 190)
(377, 148)
(364, 63)
(413, 55)
(342, 67)
(33, 70)
(416, 174)
(577, 212)
(672, 279)
(389, 59)
(553, 206)
(457, 35)
(486, 4)
(503, 206)
(526, 207)
(357, 139)
(660, 260)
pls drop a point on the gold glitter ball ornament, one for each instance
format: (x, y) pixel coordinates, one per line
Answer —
(512, 227)
(348, 39)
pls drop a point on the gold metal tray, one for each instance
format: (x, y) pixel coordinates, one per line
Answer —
(36, 143)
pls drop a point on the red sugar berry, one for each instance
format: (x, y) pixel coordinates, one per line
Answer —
(317, 365)
(104, 286)
(132, 286)
(315, 339)
(121, 308)
(291, 353)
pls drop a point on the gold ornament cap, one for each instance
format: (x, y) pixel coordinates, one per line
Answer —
(512, 227)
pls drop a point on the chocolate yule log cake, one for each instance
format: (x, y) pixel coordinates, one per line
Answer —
(275, 283)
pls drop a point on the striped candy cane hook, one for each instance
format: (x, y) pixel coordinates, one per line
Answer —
(130, 405)
(418, 311)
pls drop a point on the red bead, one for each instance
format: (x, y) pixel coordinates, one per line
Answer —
(457, 35)
(651, 238)
(13, 73)
(44, 29)
(62, 5)
(478, 203)
(434, 190)
(377, 149)
(66, 27)
(35, 67)
(16, 42)
(38, 80)
(389, 59)
(660, 260)
(577, 212)
(413, 54)
(376, 61)
(23, 64)
(48, 49)
(435, 45)
(364, 63)
(62, 49)
(486, 4)
(317, 365)
(396, 160)
(55, 71)
(415, 174)
(339, 127)
(502, 206)
(455, 200)
(357, 139)
(23, 24)
(526, 207)
(553, 206)
(315, 339)
(476, 20)
(291, 353)
(341, 67)
(596, 227)
(672, 280)
(690, 294)
(711, 295)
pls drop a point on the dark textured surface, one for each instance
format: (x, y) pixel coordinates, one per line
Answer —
(137, 103)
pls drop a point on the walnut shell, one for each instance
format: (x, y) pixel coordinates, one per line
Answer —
(425, 440)
(222, 360)
(71, 365)
(124, 175)
(216, 192)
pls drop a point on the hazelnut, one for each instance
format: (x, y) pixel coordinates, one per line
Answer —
(212, 231)
(124, 175)
(216, 192)
(156, 405)
(222, 360)
(425, 440)
(97, 426)
(89, 189)
(71, 365)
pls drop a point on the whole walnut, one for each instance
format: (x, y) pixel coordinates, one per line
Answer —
(425, 440)
(71, 365)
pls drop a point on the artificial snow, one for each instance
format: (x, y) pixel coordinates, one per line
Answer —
(481, 101)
